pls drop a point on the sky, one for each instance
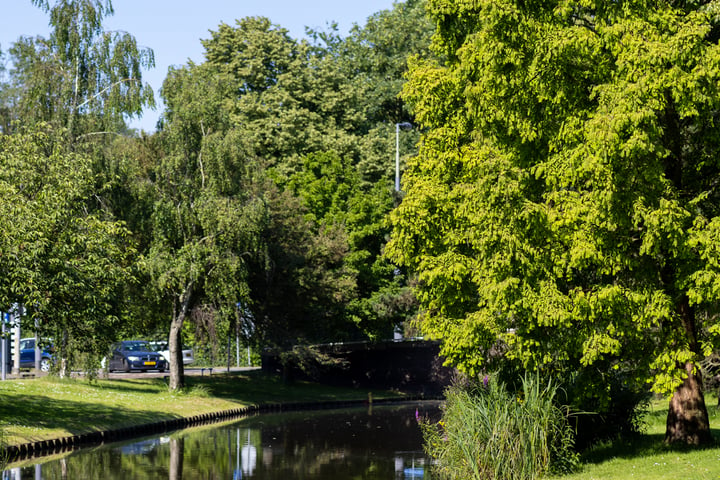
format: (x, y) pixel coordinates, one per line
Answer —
(174, 28)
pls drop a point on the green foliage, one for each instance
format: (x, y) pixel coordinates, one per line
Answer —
(619, 412)
(563, 198)
(299, 113)
(81, 78)
(66, 263)
(310, 361)
(489, 432)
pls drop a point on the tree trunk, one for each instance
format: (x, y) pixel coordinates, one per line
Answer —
(177, 370)
(177, 454)
(687, 420)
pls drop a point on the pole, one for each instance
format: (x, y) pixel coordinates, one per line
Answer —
(16, 340)
(37, 347)
(397, 157)
(4, 348)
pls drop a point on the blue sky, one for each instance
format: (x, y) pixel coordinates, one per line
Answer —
(173, 28)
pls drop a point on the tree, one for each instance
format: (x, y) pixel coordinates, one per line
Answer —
(203, 220)
(81, 78)
(302, 110)
(66, 264)
(565, 197)
(75, 86)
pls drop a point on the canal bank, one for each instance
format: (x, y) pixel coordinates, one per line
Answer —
(371, 442)
(67, 443)
(62, 415)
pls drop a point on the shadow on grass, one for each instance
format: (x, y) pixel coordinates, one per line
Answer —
(641, 445)
(256, 387)
(73, 416)
(145, 386)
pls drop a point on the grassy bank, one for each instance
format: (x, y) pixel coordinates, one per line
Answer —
(45, 408)
(648, 458)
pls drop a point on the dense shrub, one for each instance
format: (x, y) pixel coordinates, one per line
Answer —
(605, 405)
(489, 433)
(605, 402)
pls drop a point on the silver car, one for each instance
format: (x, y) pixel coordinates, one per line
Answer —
(162, 348)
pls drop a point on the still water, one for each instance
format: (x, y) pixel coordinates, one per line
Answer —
(380, 442)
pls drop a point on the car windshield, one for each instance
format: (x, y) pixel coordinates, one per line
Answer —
(137, 346)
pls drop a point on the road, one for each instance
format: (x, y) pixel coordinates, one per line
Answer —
(194, 371)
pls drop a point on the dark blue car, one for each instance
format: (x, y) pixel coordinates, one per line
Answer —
(27, 355)
(135, 355)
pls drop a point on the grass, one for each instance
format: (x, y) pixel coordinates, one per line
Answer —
(48, 407)
(648, 458)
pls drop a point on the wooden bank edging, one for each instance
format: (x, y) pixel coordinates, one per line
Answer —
(41, 448)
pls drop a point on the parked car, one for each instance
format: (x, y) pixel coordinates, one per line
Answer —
(135, 355)
(27, 355)
(188, 355)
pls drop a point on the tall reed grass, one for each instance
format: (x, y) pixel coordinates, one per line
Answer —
(489, 433)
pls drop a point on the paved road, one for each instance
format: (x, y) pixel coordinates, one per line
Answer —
(149, 374)
(188, 371)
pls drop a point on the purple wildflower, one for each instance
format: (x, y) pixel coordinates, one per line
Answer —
(417, 416)
(486, 380)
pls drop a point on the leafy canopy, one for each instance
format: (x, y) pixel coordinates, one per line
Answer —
(565, 195)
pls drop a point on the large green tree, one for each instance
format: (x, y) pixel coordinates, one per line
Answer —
(81, 78)
(204, 221)
(77, 86)
(64, 260)
(314, 114)
(565, 198)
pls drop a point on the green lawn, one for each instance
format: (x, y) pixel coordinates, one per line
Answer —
(647, 458)
(44, 408)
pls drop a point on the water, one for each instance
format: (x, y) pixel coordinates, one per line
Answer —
(361, 443)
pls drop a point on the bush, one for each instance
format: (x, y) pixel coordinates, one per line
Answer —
(486, 432)
(605, 405)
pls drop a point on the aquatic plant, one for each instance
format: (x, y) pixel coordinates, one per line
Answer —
(489, 433)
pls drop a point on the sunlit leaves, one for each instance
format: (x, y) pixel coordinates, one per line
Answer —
(566, 184)
(66, 264)
(81, 78)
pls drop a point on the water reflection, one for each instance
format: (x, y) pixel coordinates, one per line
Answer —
(376, 443)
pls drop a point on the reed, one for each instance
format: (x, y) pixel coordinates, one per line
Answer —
(489, 433)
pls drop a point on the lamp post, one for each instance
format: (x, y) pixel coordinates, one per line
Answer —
(397, 152)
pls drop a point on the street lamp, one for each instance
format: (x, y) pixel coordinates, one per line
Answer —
(397, 151)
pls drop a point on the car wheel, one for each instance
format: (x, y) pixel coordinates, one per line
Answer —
(44, 365)
(143, 371)
(127, 366)
(161, 370)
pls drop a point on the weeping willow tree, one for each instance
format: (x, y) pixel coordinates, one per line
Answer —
(81, 78)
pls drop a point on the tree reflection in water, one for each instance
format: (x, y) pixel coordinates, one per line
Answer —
(379, 443)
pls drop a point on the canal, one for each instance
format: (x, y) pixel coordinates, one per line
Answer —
(370, 442)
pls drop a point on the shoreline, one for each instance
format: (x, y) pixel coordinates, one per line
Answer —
(42, 448)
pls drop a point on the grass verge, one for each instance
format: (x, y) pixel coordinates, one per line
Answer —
(48, 407)
(648, 458)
